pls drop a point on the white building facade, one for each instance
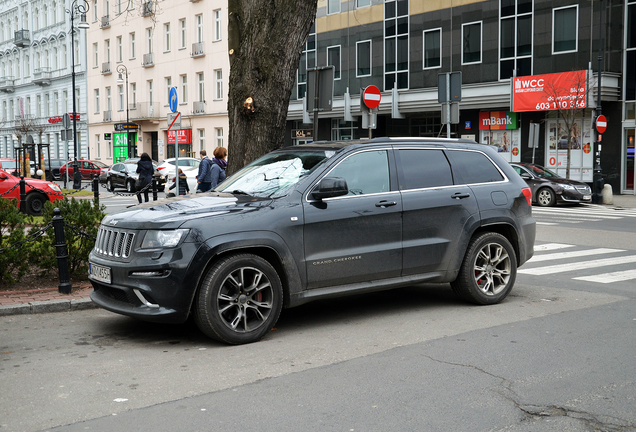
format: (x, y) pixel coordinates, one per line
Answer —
(137, 51)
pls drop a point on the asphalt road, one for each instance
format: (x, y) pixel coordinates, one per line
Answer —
(556, 355)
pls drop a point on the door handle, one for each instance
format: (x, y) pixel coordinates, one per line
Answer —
(460, 195)
(385, 204)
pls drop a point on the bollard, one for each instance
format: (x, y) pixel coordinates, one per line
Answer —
(22, 195)
(96, 189)
(62, 253)
(154, 189)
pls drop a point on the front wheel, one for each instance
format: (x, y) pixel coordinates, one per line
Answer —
(130, 186)
(488, 271)
(546, 197)
(35, 203)
(109, 185)
(239, 300)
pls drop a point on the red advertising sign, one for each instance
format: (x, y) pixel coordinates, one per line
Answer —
(185, 136)
(567, 90)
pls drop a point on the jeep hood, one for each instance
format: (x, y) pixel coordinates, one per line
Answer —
(171, 213)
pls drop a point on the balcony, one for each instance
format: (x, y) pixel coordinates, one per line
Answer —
(144, 111)
(198, 107)
(147, 61)
(42, 76)
(197, 50)
(105, 22)
(22, 38)
(106, 68)
(6, 84)
(108, 116)
(146, 9)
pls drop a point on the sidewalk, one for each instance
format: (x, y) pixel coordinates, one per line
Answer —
(50, 300)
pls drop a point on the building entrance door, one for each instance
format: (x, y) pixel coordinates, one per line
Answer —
(628, 163)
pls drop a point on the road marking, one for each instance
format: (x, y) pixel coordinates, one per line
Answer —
(574, 254)
(552, 246)
(606, 278)
(581, 265)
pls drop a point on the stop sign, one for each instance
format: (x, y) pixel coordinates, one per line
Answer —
(601, 123)
(371, 96)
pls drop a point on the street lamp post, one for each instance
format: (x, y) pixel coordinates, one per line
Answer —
(123, 70)
(597, 179)
(77, 7)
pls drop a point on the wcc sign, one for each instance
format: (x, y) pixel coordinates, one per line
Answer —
(547, 92)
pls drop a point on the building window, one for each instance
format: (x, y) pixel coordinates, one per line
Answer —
(109, 155)
(363, 58)
(182, 33)
(201, 87)
(149, 40)
(150, 93)
(96, 101)
(218, 136)
(333, 59)
(95, 55)
(166, 37)
(184, 88)
(56, 104)
(432, 48)
(218, 78)
(343, 130)
(132, 46)
(120, 96)
(471, 43)
(133, 95)
(98, 147)
(565, 29)
(396, 44)
(333, 6)
(515, 38)
(201, 134)
(363, 3)
(307, 61)
(109, 106)
(199, 19)
(47, 103)
(217, 25)
(120, 50)
(168, 87)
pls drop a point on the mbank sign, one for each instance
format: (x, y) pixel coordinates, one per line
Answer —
(496, 120)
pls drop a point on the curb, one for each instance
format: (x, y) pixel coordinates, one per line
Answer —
(47, 306)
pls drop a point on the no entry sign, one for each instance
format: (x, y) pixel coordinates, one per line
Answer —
(601, 123)
(371, 96)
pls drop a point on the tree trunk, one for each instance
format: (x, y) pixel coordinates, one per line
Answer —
(265, 41)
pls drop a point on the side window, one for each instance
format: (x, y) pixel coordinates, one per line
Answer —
(365, 172)
(470, 167)
(519, 170)
(422, 168)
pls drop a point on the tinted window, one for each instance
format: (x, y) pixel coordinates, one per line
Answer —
(366, 172)
(424, 168)
(473, 167)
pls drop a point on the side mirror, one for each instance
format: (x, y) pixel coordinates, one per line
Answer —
(330, 187)
(3, 177)
(526, 176)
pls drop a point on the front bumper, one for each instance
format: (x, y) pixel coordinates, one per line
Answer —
(150, 286)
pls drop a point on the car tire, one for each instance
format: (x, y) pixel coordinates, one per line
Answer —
(546, 197)
(231, 308)
(109, 185)
(130, 186)
(35, 203)
(488, 271)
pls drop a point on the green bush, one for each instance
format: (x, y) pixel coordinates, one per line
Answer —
(82, 220)
(12, 231)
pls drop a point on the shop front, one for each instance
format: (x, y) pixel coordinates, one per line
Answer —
(501, 129)
(184, 143)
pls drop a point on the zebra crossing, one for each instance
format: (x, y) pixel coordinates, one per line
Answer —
(581, 263)
(580, 214)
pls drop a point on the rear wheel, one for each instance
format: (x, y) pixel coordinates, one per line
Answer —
(109, 185)
(35, 203)
(488, 271)
(240, 299)
(130, 186)
(546, 197)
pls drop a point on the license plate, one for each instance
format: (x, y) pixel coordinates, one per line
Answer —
(587, 197)
(99, 273)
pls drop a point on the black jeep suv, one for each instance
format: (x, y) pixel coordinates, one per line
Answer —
(315, 221)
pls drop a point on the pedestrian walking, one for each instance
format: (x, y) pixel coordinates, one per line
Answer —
(204, 177)
(145, 171)
(219, 165)
(183, 183)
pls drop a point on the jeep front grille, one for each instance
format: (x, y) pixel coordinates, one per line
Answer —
(114, 243)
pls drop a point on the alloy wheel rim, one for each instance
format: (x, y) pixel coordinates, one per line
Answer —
(492, 269)
(245, 299)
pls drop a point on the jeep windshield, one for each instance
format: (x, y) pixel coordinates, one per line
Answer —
(275, 174)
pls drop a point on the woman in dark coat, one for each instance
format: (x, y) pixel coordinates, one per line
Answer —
(219, 165)
(145, 171)
(183, 183)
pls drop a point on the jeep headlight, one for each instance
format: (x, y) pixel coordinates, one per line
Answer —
(163, 239)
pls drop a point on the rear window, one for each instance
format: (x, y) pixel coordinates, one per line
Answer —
(470, 167)
(424, 168)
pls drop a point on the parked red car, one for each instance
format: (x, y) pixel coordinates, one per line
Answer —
(87, 169)
(37, 192)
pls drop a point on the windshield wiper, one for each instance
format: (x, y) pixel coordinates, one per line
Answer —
(239, 192)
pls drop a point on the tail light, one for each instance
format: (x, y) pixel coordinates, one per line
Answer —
(160, 168)
(528, 194)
